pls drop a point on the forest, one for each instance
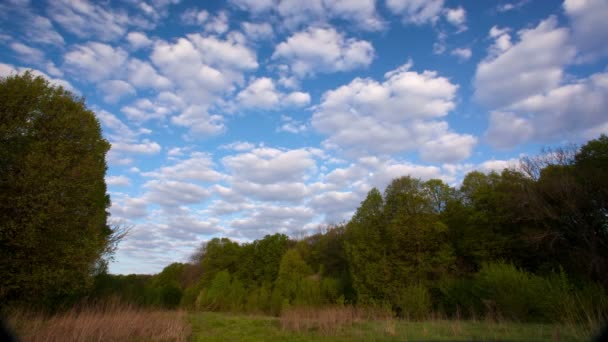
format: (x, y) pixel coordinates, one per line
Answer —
(528, 244)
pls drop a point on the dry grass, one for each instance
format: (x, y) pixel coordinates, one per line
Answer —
(330, 320)
(107, 322)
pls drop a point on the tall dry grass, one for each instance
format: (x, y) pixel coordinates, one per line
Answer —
(101, 322)
(329, 320)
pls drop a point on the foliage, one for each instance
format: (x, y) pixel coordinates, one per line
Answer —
(53, 201)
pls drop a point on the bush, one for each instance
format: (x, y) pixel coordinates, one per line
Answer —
(511, 293)
(414, 302)
(458, 297)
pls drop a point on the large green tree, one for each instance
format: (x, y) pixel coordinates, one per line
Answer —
(53, 201)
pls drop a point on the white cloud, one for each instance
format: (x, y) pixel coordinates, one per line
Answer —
(449, 147)
(144, 109)
(138, 40)
(291, 125)
(462, 53)
(457, 17)
(511, 6)
(270, 165)
(337, 206)
(239, 146)
(203, 67)
(173, 193)
(144, 147)
(261, 93)
(565, 111)
(361, 13)
(531, 66)
(254, 6)
(217, 24)
(125, 207)
(399, 114)
(40, 30)
(590, 27)
(8, 70)
(143, 75)
(85, 19)
(118, 181)
(266, 218)
(530, 96)
(416, 11)
(197, 167)
(258, 31)
(321, 49)
(114, 90)
(195, 16)
(28, 53)
(506, 129)
(199, 121)
(95, 61)
(294, 14)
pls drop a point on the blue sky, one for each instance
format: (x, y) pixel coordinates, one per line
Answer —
(251, 117)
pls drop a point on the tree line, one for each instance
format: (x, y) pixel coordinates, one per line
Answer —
(527, 243)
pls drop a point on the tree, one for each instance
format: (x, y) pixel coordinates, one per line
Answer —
(53, 201)
(569, 203)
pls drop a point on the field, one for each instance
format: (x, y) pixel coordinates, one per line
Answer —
(223, 327)
(331, 324)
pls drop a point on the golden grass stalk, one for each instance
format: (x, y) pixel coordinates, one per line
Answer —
(102, 322)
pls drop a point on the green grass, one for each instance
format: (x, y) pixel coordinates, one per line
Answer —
(227, 327)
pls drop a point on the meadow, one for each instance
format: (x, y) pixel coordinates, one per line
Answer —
(126, 323)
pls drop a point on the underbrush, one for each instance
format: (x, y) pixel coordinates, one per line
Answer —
(101, 322)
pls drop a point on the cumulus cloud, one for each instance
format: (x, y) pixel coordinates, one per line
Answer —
(294, 14)
(143, 75)
(28, 53)
(266, 218)
(261, 93)
(320, 49)
(169, 193)
(118, 181)
(203, 67)
(524, 84)
(590, 28)
(268, 165)
(114, 90)
(85, 19)
(416, 11)
(291, 125)
(457, 17)
(138, 40)
(463, 54)
(200, 122)
(258, 31)
(144, 147)
(531, 66)
(399, 114)
(197, 167)
(94, 61)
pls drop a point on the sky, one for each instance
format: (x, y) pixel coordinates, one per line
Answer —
(244, 118)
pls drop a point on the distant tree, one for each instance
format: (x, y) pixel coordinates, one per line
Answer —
(217, 255)
(53, 201)
(292, 272)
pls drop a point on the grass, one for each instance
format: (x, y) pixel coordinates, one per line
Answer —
(125, 323)
(225, 327)
(107, 322)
